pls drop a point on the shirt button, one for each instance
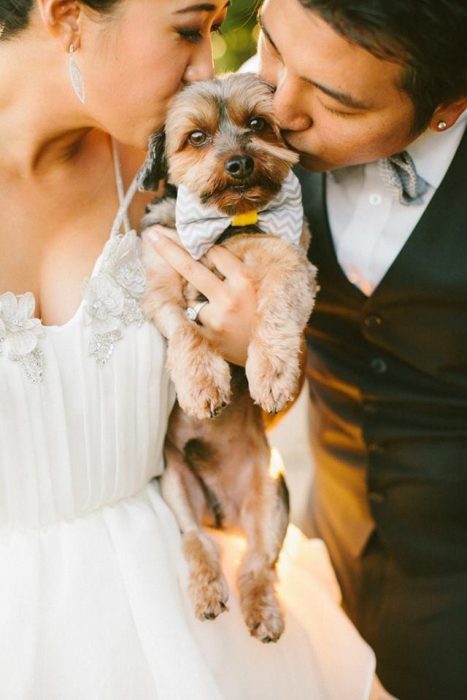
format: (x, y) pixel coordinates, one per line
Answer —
(378, 365)
(375, 199)
(376, 497)
(372, 321)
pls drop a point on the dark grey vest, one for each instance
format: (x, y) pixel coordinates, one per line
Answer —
(388, 375)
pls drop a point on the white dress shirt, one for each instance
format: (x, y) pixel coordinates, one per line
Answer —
(369, 225)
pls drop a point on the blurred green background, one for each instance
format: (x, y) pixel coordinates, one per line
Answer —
(239, 34)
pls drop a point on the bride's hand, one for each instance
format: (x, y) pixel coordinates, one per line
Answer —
(228, 317)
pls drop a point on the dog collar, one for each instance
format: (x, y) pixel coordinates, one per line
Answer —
(249, 218)
(199, 226)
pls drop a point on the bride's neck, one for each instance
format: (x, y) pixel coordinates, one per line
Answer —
(41, 123)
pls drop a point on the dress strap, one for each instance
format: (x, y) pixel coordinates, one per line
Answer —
(124, 198)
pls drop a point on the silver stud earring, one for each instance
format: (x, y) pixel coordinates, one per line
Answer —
(76, 77)
(441, 125)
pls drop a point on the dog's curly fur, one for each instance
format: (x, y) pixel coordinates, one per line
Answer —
(217, 454)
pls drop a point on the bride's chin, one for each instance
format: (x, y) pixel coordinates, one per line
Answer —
(136, 137)
(138, 142)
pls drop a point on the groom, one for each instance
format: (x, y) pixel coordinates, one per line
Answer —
(356, 83)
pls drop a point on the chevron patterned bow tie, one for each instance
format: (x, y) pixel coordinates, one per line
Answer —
(399, 172)
(199, 227)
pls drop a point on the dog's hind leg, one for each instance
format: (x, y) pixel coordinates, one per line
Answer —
(265, 518)
(182, 492)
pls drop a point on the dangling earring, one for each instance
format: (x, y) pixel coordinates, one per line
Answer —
(75, 74)
(441, 125)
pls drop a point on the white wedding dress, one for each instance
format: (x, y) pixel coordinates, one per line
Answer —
(93, 586)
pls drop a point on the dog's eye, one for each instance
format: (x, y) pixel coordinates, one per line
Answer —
(257, 124)
(197, 138)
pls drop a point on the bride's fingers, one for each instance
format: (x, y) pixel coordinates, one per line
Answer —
(204, 320)
(200, 277)
(226, 262)
(227, 319)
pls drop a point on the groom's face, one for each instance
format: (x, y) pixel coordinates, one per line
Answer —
(337, 104)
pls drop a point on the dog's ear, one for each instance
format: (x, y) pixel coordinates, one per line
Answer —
(154, 168)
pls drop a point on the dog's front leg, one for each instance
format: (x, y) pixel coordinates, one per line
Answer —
(182, 492)
(285, 301)
(200, 374)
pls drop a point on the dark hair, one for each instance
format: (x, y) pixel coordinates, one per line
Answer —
(14, 14)
(427, 37)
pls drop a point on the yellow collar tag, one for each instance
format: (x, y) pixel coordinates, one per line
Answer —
(248, 219)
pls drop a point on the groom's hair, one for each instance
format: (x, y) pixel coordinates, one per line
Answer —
(427, 37)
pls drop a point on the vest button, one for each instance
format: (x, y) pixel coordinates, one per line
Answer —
(372, 321)
(375, 447)
(370, 407)
(376, 497)
(378, 365)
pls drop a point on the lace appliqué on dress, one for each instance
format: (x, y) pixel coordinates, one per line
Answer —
(20, 333)
(112, 296)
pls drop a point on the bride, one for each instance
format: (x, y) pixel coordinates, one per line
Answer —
(93, 597)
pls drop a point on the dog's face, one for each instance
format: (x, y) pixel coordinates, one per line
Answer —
(223, 143)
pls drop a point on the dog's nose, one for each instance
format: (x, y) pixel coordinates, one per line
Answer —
(240, 166)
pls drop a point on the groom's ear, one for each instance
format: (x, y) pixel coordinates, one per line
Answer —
(154, 168)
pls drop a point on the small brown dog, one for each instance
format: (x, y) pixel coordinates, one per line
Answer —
(222, 144)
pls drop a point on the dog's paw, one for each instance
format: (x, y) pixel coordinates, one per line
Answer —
(263, 615)
(161, 211)
(209, 597)
(272, 383)
(208, 587)
(203, 388)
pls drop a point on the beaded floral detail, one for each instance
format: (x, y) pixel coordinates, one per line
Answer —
(112, 296)
(20, 333)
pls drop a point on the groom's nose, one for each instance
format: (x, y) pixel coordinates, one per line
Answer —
(288, 104)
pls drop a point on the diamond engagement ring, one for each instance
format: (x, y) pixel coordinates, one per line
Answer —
(192, 312)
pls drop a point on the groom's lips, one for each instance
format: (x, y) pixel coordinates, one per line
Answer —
(288, 137)
(292, 148)
(307, 157)
(288, 144)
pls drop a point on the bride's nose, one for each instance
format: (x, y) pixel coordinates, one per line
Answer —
(201, 66)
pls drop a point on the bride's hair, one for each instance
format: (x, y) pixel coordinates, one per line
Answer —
(14, 14)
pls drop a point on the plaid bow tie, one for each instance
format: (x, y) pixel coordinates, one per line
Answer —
(399, 173)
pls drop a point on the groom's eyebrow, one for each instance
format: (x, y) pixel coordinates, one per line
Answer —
(343, 97)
